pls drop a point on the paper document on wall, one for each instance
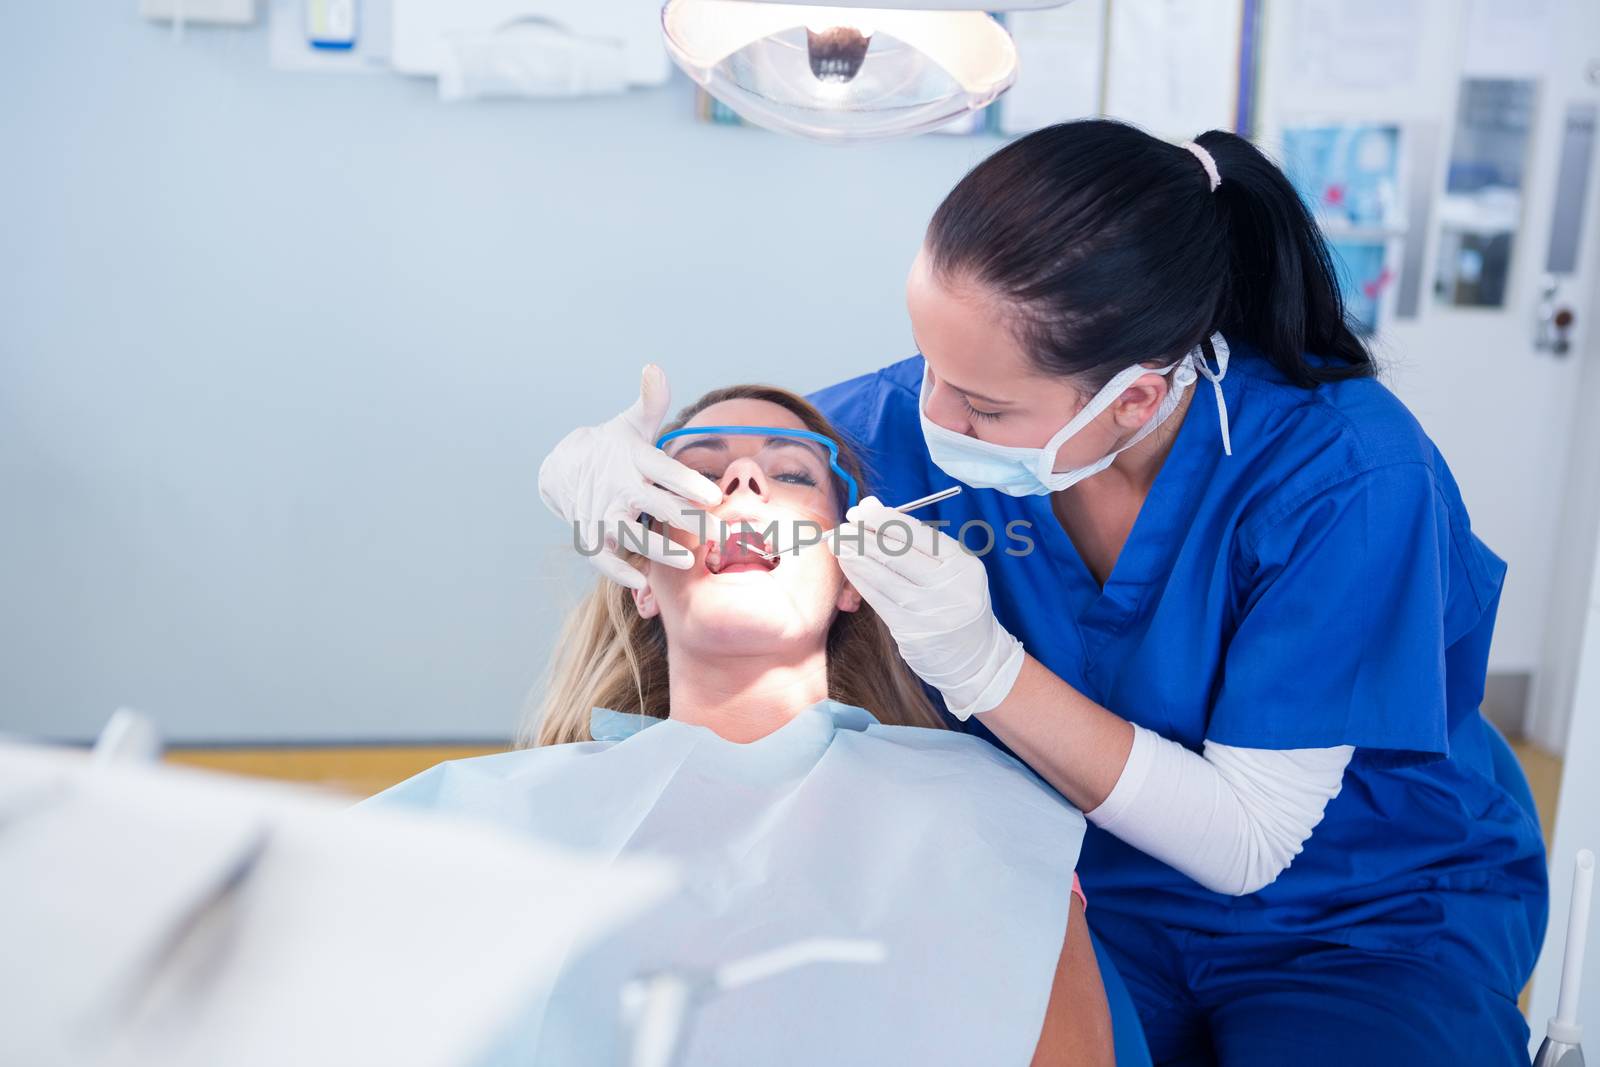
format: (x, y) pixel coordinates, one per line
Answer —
(1352, 176)
(1509, 38)
(1364, 45)
(1348, 173)
(1173, 65)
(531, 59)
(1366, 270)
(1061, 61)
(531, 47)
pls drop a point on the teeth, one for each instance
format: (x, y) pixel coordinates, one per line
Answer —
(716, 556)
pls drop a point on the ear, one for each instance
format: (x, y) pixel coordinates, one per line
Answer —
(1140, 401)
(848, 599)
(644, 600)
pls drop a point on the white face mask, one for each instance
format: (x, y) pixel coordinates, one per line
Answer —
(1030, 471)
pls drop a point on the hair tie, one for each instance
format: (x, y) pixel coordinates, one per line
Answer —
(1210, 165)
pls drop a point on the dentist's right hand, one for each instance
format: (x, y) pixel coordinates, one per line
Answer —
(934, 596)
(603, 477)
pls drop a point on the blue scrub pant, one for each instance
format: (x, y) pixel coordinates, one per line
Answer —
(1242, 1000)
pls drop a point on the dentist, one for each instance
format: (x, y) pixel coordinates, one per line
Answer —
(1249, 631)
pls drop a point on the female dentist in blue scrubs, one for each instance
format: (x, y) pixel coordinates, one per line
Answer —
(1221, 592)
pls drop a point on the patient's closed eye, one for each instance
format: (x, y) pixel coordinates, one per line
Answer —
(797, 477)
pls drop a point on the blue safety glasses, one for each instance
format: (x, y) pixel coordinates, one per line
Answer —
(796, 463)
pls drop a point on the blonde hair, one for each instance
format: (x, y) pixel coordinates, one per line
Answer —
(608, 656)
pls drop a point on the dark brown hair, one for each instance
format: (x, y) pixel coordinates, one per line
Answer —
(1110, 248)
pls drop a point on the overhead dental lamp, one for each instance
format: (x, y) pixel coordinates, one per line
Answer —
(846, 71)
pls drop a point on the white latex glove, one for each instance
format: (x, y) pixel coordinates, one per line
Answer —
(934, 597)
(602, 478)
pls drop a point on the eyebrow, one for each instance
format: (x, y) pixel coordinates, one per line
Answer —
(797, 442)
(715, 444)
(719, 443)
(971, 394)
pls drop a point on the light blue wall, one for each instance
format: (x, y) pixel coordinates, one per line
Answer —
(279, 355)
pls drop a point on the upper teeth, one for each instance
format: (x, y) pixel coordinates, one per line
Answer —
(748, 545)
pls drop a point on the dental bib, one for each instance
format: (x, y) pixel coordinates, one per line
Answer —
(1031, 471)
(833, 826)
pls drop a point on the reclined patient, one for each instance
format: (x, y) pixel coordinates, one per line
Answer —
(750, 720)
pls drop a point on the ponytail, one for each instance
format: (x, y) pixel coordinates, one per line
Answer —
(1282, 292)
(1110, 248)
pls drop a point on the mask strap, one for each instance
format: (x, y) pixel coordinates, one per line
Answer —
(1216, 347)
(1108, 396)
(1098, 403)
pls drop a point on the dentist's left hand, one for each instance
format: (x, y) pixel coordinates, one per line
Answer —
(602, 478)
(934, 597)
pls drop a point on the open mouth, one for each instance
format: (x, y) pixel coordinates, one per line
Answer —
(740, 552)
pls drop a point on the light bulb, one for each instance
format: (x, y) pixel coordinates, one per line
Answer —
(836, 53)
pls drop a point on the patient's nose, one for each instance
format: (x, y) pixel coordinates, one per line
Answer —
(745, 475)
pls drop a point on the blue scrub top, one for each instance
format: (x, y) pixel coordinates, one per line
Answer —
(1320, 587)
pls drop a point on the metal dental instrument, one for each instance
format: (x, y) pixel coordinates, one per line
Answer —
(931, 498)
(904, 509)
(768, 556)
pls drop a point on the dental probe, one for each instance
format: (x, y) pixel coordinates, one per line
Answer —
(924, 501)
(904, 509)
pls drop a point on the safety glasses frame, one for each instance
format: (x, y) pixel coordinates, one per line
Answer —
(852, 492)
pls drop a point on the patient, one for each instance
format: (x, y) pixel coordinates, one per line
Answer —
(716, 718)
